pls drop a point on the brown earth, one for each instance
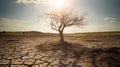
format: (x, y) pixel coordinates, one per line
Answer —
(45, 51)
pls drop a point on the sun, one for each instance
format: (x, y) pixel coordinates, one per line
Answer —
(59, 4)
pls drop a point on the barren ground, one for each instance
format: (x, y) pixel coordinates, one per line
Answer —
(92, 51)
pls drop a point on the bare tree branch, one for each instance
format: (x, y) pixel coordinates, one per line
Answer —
(60, 19)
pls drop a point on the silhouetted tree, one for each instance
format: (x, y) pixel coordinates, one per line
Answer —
(60, 19)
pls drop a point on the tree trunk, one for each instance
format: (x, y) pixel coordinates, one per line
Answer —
(61, 36)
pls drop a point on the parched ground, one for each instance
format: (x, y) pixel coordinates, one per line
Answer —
(35, 51)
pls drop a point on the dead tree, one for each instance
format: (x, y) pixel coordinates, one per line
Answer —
(60, 19)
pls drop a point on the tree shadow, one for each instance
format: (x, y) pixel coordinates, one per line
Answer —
(106, 57)
(67, 52)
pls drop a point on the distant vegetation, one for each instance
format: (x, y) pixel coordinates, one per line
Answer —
(115, 33)
(20, 33)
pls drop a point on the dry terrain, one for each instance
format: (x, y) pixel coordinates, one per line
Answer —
(44, 51)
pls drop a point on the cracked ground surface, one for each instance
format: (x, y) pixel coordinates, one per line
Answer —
(21, 51)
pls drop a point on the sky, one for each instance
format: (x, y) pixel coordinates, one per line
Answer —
(23, 15)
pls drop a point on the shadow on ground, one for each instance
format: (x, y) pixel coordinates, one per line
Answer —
(76, 55)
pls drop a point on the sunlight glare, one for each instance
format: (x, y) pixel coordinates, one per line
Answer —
(59, 4)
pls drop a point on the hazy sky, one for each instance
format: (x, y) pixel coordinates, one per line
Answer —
(22, 15)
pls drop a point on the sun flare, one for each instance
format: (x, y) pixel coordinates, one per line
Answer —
(59, 4)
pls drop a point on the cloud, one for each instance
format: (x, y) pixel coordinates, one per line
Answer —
(27, 1)
(12, 24)
(36, 2)
(111, 20)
